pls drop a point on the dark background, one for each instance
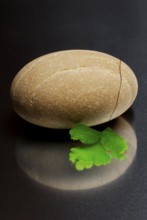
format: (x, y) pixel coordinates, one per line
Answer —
(31, 28)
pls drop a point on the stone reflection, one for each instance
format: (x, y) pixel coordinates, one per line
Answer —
(47, 162)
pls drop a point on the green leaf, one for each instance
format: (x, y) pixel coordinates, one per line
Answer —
(88, 156)
(84, 134)
(99, 147)
(113, 143)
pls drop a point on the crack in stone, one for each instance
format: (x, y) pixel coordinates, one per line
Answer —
(118, 94)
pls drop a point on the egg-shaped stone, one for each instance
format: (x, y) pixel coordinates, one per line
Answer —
(62, 88)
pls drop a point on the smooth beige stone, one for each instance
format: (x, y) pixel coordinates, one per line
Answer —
(60, 89)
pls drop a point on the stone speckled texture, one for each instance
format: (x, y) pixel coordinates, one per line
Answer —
(62, 88)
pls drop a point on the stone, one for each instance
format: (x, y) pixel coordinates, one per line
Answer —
(62, 88)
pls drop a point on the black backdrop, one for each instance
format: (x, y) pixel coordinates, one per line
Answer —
(31, 28)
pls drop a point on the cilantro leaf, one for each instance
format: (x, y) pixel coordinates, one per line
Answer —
(84, 134)
(99, 147)
(113, 143)
(88, 156)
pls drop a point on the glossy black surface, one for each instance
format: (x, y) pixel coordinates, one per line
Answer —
(31, 28)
